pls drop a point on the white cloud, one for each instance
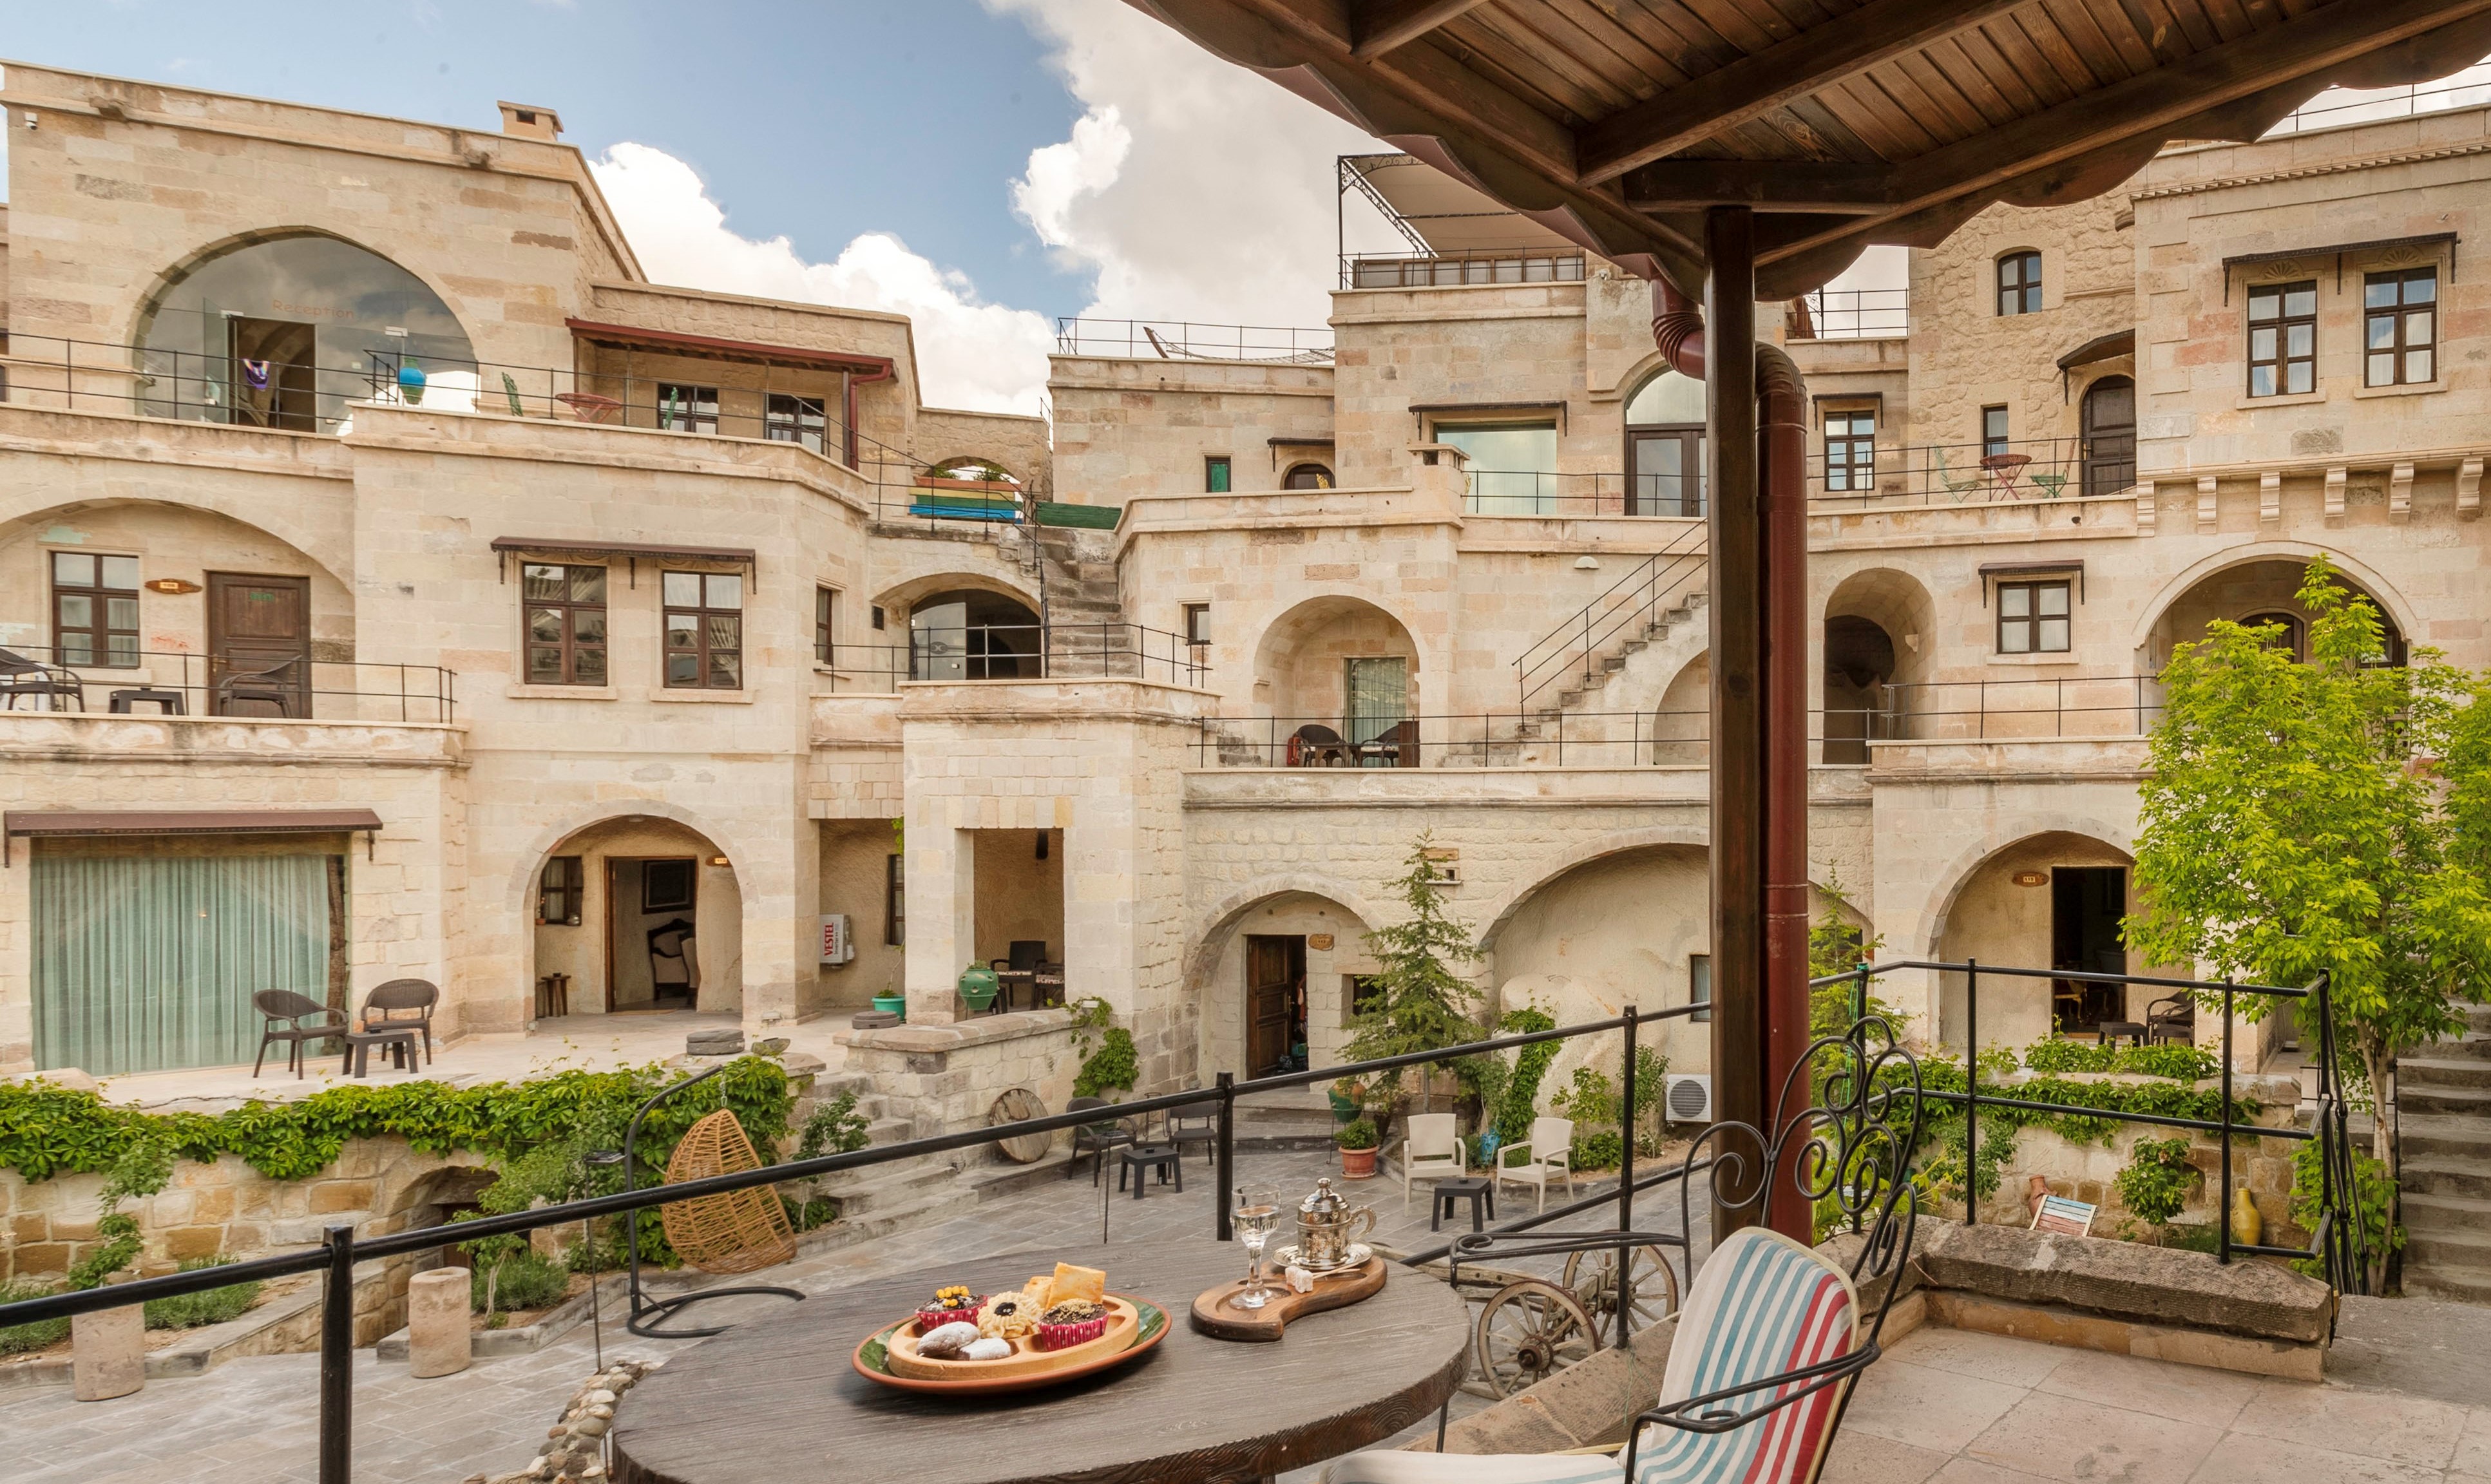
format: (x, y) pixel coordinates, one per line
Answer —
(970, 353)
(1195, 189)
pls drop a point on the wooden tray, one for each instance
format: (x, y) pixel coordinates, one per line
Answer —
(1215, 1316)
(889, 1355)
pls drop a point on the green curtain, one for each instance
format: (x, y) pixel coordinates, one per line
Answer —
(1379, 697)
(141, 964)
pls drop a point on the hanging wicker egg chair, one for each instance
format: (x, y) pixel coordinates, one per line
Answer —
(738, 1231)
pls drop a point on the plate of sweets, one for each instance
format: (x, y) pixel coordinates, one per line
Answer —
(1058, 1326)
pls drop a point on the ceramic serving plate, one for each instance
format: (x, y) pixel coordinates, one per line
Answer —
(889, 1356)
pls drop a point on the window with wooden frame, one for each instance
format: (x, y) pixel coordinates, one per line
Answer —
(1215, 475)
(826, 624)
(2033, 616)
(704, 631)
(1851, 450)
(2283, 338)
(1699, 985)
(1363, 994)
(1197, 623)
(1306, 477)
(895, 900)
(2400, 327)
(683, 408)
(2019, 284)
(565, 625)
(786, 419)
(95, 610)
(562, 892)
(1993, 431)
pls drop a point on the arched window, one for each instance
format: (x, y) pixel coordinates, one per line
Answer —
(2019, 282)
(1666, 446)
(283, 333)
(971, 634)
(2289, 640)
(1306, 477)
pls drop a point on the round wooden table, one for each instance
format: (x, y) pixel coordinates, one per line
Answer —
(777, 1399)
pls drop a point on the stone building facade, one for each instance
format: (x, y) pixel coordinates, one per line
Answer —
(578, 629)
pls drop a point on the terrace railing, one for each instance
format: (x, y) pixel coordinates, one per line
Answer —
(1621, 613)
(1014, 652)
(1580, 496)
(1850, 314)
(301, 690)
(1170, 339)
(1970, 472)
(1465, 267)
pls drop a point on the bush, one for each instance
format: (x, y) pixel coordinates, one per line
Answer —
(1358, 1133)
(16, 1339)
(2178, 1064)
(2158, 1180)
(1114, 1064)
(189, 1311)
(1597, 1149)
(525, 1280)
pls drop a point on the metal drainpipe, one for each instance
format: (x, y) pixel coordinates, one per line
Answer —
(1781, 436)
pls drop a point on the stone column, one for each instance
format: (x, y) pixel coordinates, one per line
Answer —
(438, 1341)
(108, 1350)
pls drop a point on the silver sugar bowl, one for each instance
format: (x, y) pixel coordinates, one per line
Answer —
(1326, 1223)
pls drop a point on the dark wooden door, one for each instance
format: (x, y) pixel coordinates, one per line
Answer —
(2086, 906)
(1273, 966)
(2110, 435)
(259, 645)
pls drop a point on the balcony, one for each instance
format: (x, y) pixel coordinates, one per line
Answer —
(1457, 269)
(1580, 496)
(973, 652)
(232, 685)
(1167, 340)
(1854, 474)
(1850, 314)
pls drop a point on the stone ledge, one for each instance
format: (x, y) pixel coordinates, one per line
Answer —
(2057, 1325)
(2127, 1281)
(958, 1034)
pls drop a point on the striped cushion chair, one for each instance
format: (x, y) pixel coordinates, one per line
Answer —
(1764, 1358)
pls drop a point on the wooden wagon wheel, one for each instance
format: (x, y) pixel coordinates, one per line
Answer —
(1528, 1332)
(1018, 1105)
(736, 1231)
(1592, 1277)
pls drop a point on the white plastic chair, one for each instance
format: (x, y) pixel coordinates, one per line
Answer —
(1551, 1151)
(1432, 1151)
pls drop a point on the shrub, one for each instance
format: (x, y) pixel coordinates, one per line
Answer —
(189, 1311)
(16, 1339)
(1358, 1133)
(1597, 1149)
(2158, 1180)
(1114, 1064)
(526, 1279)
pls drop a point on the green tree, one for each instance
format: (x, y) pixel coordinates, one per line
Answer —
(1424, 1004)
(1836, 945)
(2293, 825)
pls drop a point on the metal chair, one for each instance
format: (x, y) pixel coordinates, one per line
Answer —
(282, 1012)
(1096, 1138)
(403, 1004)
(20, 676)
(2172, 1019)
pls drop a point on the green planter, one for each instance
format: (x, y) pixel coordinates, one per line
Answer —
(978, 987)
(896, 1004)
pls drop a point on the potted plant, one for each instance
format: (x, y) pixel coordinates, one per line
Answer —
(893, 1004)
(1358, 1140)
(977, 988)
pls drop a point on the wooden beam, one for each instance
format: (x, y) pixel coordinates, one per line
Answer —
(2149, 106)
(1767, 185)
(1763, 81)
(1385, 26)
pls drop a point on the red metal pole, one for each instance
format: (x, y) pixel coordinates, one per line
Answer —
(1782, 438)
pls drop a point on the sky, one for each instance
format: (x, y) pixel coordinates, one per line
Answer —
(983, 168)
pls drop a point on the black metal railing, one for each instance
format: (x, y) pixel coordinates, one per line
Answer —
(147, 682)
(1020, 652)
(1623, 612)
(1580, 496)
(1678, 738)
(1850, 314)
(1175, 339)
(2339, 1243)
(1460, 267)
(1860, 474)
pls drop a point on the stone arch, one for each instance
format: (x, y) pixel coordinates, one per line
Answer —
(272, 519)
(720, 898)
(897, 598)
(142, 309)
(1308, 909)
(1874, 645)
(1923, 936)
(1502, 911)
(2362, 576)
(955, 460)
(1298, 659)
(1682, 725)
(2002, 907)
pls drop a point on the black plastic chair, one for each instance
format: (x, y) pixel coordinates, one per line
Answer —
(269, 686)
(1316, 746)
(1196, 1123)
(1096, 1138)
(2172, 1019)
(282, 1012)
(20, 676)
(403, 1004)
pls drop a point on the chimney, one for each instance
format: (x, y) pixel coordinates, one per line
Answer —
(531, 122)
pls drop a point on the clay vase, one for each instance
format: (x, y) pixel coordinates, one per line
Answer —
(2247, 1226)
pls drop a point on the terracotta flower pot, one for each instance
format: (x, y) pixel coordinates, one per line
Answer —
(1357, 1164)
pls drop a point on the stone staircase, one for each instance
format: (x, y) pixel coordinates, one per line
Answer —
(1587, 690)
(2443, 1094)
(885, 1193)
(1075, 572)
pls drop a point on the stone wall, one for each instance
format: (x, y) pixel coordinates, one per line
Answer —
(943, 1078)
(2086, 1171)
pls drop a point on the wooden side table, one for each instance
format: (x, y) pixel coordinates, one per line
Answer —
(553, 996)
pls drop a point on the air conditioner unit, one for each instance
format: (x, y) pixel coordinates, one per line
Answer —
(1686, 1097)
(839, 944)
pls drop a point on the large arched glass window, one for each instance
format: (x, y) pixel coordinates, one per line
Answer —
(1666, 446)
(971, 634)
(283, 333)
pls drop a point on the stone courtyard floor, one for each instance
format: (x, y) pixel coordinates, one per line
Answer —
(1944, 1406)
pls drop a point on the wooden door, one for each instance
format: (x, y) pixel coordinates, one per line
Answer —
(259, 645)
(2110, 435)
(1270, 1000)
(2087, 904)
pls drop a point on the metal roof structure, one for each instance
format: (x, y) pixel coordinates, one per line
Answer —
(1614, 124)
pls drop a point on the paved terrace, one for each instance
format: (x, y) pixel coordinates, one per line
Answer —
(2407, 1404)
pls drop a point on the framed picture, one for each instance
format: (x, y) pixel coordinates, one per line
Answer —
(665, 886)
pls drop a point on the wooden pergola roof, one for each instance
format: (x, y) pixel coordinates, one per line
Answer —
(1615, 123)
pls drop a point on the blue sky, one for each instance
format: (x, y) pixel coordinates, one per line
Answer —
(816, 121)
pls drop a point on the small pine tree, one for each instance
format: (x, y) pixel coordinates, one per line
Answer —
(1425, 1004)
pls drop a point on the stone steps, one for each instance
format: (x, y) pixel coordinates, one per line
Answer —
(2442, 1071)
(2426, 1097)
(2446, 1175)
(2444, 1100)
(2456, 1283)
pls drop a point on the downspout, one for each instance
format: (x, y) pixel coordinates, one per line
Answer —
(849, 381)
(1781, 437)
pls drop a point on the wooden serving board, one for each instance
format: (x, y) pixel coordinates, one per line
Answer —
(889, 1354)
(1214, 1315)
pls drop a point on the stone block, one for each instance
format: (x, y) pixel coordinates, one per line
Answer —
(439, 1342)
(334, 1197)
(194, 1242)
(2126, 1280)
(109, 1353)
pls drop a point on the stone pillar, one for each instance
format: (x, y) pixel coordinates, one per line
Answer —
(438, 1342)
(108, 1350)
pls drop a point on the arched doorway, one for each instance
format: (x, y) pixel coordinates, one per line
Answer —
(973, 635)
(2109, 423)
(1285, 979)
(2049, 900)
(1306, 477)
(1339, 678)
(1878, 628)
(282, 331)
(2256, 593)
(1666, 446)
(641, 914)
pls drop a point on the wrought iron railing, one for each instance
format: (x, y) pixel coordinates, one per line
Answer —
(1841, 473)
(1580, 496)
(1020, 652)
(1173, 339)
(1850, 314)
(1623, 612)
(148, 682)
(1558, 738)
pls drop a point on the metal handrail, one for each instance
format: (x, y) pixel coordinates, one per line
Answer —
(1054, 651)
(1631, 599)
(423, 693)
(1165, 339)
(1853, 314)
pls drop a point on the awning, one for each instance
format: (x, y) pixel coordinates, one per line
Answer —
(1993, 571)
(564, 548)
(1450, 218)
(2101, 347)
(22, 823)
(716, 348)
(2338, 252)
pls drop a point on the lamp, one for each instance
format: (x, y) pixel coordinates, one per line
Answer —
(647, 1311)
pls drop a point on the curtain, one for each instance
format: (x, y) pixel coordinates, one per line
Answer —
(1379, 697)
(143, 964)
